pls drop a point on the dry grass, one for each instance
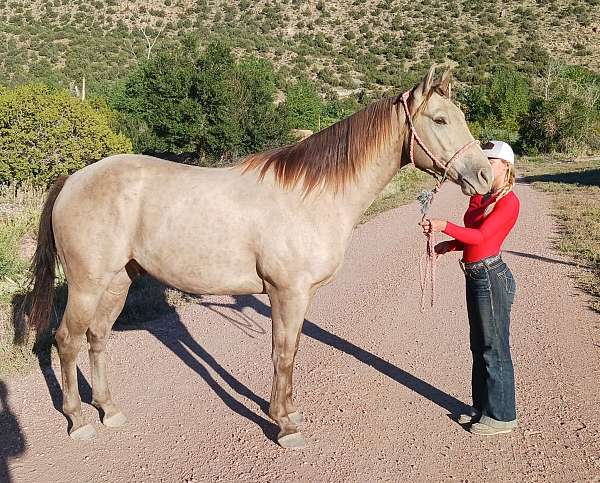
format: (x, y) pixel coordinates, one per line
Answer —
(575, 190)
(402, 189)
(19, 214)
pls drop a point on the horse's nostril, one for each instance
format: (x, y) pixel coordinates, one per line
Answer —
(485, 176)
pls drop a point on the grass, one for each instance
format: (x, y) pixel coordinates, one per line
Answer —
(402, 189)
(575, 190)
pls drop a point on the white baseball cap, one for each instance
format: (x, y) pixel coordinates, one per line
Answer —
(500, 150)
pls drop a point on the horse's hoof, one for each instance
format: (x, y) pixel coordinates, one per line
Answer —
(115, 420)
(292, 441)
(84, 433)
(296, 417)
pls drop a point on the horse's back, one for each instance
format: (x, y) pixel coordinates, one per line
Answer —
(204, 230)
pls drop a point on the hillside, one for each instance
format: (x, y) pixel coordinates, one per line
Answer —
(345, 45)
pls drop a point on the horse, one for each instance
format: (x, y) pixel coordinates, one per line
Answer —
(278, 222)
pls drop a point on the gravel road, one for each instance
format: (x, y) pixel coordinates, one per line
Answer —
(376, 379)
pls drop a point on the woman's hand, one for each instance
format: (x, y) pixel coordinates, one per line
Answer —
(443, 247)
(431, 226)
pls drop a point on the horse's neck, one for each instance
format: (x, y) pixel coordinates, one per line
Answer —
(372, 179)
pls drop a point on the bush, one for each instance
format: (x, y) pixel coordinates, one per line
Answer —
(45, 133)
(304, 106)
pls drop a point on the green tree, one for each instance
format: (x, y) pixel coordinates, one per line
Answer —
(495, 107)
(159, 104)
(304, 105)
(565, 115)
(203, 103)
(45, 133)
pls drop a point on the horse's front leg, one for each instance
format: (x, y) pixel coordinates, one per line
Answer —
(288, 310)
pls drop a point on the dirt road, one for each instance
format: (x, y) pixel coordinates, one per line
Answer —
(375, 378)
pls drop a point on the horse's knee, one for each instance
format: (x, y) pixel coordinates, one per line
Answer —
(97, 339)
(65, 342)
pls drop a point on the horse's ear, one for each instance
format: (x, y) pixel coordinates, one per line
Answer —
(444, 86)
(424, 88)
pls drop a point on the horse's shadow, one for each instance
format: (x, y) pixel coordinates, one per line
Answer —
(174, 335)
(312, 330)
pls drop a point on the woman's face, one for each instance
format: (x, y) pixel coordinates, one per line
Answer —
(499, 168)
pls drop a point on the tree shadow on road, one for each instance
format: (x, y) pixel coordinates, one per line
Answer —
(585, 177)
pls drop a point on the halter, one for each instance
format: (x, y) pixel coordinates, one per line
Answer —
(427, 261)
(414, 136)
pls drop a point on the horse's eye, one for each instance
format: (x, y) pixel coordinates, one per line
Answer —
(440, 120)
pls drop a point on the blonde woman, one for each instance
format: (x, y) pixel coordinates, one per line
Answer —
(490, 289)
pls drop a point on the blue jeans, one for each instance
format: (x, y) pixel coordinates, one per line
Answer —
(490, 288)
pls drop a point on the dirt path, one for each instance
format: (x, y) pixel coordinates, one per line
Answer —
(376, 379)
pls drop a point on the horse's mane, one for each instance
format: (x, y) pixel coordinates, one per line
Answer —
(334, 156)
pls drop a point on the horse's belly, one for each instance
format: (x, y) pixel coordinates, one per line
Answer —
(197, 269)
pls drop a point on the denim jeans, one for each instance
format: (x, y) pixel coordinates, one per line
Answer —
(490, 293)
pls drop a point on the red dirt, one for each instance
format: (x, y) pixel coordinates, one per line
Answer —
(375, 378)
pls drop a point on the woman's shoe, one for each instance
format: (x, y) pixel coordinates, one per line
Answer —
(469, 416)
(485, 430)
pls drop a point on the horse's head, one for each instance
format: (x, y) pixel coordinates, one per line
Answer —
(442, 128)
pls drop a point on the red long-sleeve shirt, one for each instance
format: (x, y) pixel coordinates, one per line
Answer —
(482, 237)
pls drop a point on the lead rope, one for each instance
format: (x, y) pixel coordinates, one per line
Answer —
(428, 259)
(425, 199)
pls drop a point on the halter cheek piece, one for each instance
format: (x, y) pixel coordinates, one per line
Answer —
(415, 137)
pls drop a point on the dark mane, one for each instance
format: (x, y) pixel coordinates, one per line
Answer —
(334, 156)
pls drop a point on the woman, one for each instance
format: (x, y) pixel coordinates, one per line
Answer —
(490, 289)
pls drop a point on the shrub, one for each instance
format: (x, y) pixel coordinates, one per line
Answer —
(45, 133)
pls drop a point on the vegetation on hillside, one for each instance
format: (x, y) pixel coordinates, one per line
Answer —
(370, 44)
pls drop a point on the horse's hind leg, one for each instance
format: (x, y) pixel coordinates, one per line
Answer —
(81, 306)
(109, 308)
(295, 416)
(288, 310)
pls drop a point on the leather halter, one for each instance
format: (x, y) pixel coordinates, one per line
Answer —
(415, 137)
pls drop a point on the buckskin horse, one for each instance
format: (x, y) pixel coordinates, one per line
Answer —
(279, 223)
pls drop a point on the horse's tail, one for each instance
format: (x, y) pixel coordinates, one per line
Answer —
(43, 266)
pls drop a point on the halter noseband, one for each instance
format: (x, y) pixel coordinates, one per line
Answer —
(414, 136)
